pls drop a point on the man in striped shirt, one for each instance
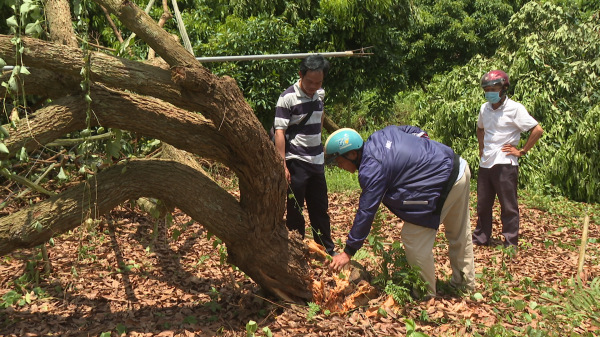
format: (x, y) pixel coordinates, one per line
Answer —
(298, 141)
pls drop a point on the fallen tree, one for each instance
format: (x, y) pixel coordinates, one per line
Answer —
(187, 107)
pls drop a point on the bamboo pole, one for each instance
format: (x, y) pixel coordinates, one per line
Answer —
(182, 31)
(584, 235)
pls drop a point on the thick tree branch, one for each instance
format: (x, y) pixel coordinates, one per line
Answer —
(174, 183)
(46, 83)
(146, 29)
(58, 14)
(113, 71)
(329, 124)
(130, 37)
(144, 115)
(258, 166)
(166, 16)
(153, 178)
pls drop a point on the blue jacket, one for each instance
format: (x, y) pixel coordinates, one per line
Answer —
(405, 172)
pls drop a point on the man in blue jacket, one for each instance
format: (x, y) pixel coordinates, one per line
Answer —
(421, 181)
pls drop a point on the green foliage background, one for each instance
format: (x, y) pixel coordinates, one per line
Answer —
(411, 41)
(431, 52)
(551, 54)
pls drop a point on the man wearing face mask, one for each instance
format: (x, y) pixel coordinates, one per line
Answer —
(499, 126)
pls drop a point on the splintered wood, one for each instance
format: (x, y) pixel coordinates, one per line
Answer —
(338, 293)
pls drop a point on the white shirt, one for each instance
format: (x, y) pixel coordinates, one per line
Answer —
(502, 126)
(461, 169)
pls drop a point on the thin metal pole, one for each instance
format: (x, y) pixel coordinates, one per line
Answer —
(274, 56)
(263, 57)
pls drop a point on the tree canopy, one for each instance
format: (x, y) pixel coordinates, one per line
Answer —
(411, 42)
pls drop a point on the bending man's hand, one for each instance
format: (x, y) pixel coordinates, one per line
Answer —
(339, 261)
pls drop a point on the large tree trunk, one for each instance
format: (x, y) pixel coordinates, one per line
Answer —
(227, 130)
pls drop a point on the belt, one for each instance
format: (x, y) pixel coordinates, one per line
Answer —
(451, 181)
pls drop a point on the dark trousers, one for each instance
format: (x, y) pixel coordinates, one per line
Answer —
(498, 180)
(308, 183)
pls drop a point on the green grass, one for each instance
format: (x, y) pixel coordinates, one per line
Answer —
(340, 181)
(558, 205)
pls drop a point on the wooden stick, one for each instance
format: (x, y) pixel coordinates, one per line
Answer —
(112, 25)
(27, 190)
(47, 265)
(25, 181)
(96, 45)
(584, 235)
(75, 141)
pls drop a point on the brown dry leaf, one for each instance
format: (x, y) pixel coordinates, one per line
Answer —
(489, 321)
(363, 294)
(389, 302)
(166, 334)
(372, 312)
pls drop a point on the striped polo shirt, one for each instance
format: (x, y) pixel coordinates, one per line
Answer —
(293, 105)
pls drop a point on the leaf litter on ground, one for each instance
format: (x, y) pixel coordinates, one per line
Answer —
(117, 279)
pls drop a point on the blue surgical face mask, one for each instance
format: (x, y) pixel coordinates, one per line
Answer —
(492, 97)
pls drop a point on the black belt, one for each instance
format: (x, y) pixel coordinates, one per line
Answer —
(449, 184)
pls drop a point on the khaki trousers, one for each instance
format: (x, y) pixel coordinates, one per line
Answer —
(418, 241)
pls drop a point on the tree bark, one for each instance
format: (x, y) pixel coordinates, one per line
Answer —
(166, 16)
(46, 83)
(58, 14)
